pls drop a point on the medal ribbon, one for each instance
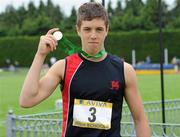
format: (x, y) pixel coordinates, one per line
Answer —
(70, 48)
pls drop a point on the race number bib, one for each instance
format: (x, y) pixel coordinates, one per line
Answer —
(92, 114)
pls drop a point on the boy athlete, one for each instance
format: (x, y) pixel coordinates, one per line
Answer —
(93, 86)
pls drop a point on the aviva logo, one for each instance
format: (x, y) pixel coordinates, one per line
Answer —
(96, 103)
(93, 103)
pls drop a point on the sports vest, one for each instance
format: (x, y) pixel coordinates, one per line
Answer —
(92, 94)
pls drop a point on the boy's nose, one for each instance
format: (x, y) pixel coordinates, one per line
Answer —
(93, 35)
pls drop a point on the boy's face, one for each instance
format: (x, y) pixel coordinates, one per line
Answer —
(93, 34)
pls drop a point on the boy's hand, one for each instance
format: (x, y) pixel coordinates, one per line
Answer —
(47, 42)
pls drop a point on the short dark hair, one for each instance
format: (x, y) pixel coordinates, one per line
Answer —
(91, 10)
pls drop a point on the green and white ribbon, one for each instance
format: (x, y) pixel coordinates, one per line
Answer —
(71, 48)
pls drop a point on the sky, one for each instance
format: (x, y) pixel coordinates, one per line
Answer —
(66, 5)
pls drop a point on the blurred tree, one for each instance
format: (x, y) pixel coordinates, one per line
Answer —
(164, 7)
(43, 25)
(10, 20)
(175, 23)
(134, 6)
(174, 17)
(42, 8)
(49, 8)
(40, 25)
(135, 15)
(58, 16)
(10, 17)
(3, 26)
(118, 9)
(150, 14)
(127, 21)
(54, 13)
(110, 10)
(116, 21)
(70, 21)
(132, 15)
(32, 11)
(176, 9)
(22, 13)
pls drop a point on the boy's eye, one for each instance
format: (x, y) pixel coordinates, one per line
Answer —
(87, 29)
(99, 29)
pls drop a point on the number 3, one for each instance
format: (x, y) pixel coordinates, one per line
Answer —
(93, 118)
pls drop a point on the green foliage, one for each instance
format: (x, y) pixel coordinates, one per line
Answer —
(176, 9)
(174, 16)
(136, 15)
(150, 15)
(22, 49)
(31, 21)
(144, 43)
(69, 22)
(39, 25)
(110, 10)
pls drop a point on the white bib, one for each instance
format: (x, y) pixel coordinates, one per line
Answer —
(92, 114)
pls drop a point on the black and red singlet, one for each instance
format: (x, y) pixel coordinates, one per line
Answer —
(94, 83)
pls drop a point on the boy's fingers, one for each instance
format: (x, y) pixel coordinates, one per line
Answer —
(52, 30)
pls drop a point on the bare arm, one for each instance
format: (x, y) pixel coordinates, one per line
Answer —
(134, 102)
(34, 89)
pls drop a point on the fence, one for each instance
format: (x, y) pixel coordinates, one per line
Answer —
(154, 111)
(49, 124)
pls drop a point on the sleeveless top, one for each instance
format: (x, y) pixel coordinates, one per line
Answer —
(92, 91)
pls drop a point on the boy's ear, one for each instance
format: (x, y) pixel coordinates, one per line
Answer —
(78, 30)
(107, 30)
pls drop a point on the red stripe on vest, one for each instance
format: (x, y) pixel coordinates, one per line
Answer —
(72, 64)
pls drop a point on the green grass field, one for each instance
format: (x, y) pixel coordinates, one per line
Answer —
(11, 83)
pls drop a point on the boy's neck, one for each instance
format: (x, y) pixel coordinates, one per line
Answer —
(96, 59)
